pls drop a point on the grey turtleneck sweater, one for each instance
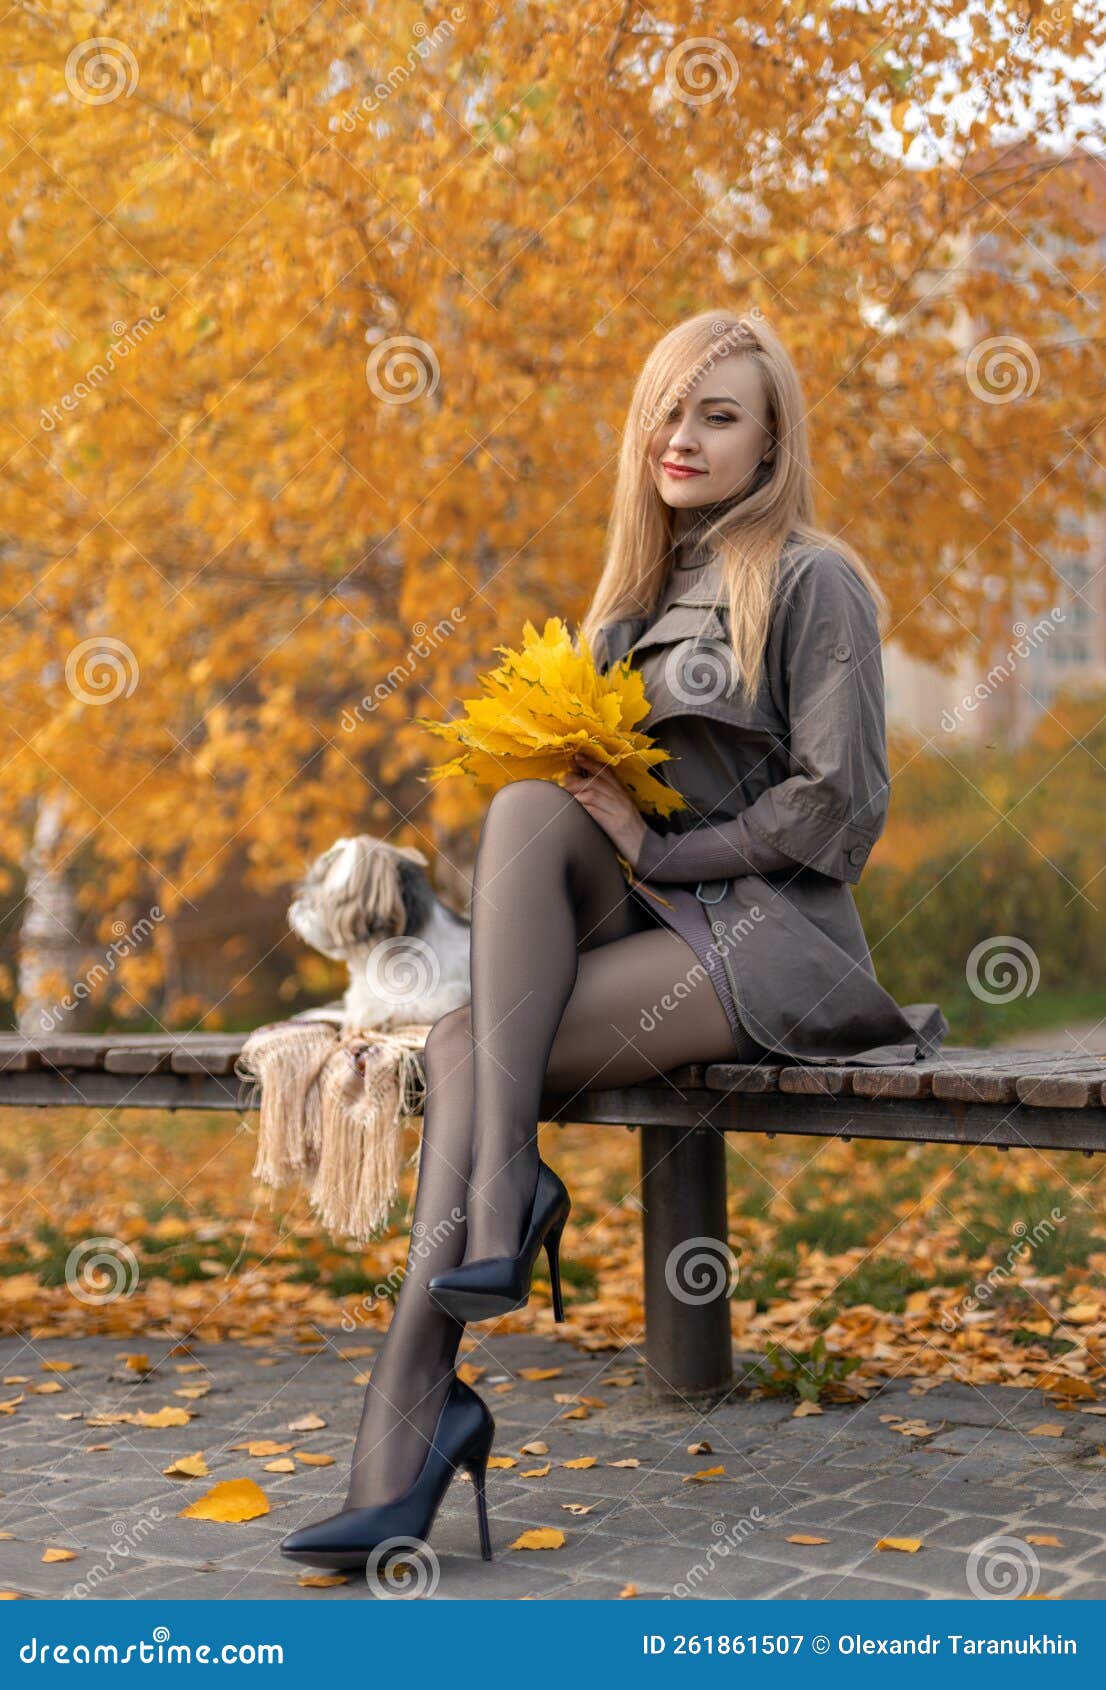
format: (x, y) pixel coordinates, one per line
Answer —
(730, 848)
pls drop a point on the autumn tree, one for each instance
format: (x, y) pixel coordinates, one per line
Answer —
(320, 332)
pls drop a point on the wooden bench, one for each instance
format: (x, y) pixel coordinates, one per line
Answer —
(1008, 1098)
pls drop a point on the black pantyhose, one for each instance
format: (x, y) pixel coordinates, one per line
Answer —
(565, 960)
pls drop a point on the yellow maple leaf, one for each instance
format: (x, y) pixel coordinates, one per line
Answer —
(546, 703)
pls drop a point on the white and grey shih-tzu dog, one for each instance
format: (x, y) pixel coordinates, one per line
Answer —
(371, 906)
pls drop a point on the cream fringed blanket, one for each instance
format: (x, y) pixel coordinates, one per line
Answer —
(332, 1110)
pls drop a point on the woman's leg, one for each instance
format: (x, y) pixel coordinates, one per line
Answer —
(641, 1003)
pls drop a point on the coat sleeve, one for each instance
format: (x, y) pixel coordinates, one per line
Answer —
(708, 853)
(832, 807)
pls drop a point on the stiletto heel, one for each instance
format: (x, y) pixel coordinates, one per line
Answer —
(552, 1245)
(493, 1285)
(479, 1471)
(463, 1435)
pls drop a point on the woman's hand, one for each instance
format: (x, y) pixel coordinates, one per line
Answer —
(606, 800)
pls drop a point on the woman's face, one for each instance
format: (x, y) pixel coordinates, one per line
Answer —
(718, 428)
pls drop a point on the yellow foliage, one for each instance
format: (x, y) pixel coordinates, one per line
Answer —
(545, 704)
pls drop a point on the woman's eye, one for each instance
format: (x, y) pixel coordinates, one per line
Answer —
(720, 416)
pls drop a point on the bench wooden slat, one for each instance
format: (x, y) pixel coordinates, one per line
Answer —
(743, 1076)
(1070, 1090)
(137, 1059)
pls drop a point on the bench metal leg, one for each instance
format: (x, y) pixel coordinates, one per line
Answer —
(688, 1351)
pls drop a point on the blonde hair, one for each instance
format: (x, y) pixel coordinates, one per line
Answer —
(749, 537)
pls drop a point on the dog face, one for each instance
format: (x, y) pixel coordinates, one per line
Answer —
(359, 892)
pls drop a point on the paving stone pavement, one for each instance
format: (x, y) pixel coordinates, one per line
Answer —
(985, 1473)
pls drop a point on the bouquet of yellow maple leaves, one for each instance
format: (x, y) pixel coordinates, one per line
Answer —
(543, 706)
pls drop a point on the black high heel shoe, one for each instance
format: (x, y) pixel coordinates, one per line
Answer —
(462, 1437)
(493, 1285)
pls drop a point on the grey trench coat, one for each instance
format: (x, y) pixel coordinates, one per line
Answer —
(807, 763)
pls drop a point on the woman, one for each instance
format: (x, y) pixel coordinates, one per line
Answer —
(759, 646)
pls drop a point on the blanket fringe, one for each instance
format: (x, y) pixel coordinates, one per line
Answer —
(332, 1109)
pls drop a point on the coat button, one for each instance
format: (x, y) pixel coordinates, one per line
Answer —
(842, 652)
(858, 854)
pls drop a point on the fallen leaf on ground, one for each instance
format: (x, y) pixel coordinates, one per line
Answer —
(580, 1461)
(307, 1423)
(536, 1472)
(188, 1467)
(58, 1366)
(312, 1460)
(628, 1590)
(263, 1446)
(502, 1461)
(540, 1537)
(804, 1408)
(703, 1448)
(908, 1545)
(540, 1372)
(534, 1447)
(629, 1461)
(801, 1537)
(1044, 1540)
(281, 1465)
(228, 1503)
(321, 1581)
(580, 1413)
(1047, 1429)
(59, 1555)
(578, 1507)
(167, 1416)
(703, 1473)
(469, 1373)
